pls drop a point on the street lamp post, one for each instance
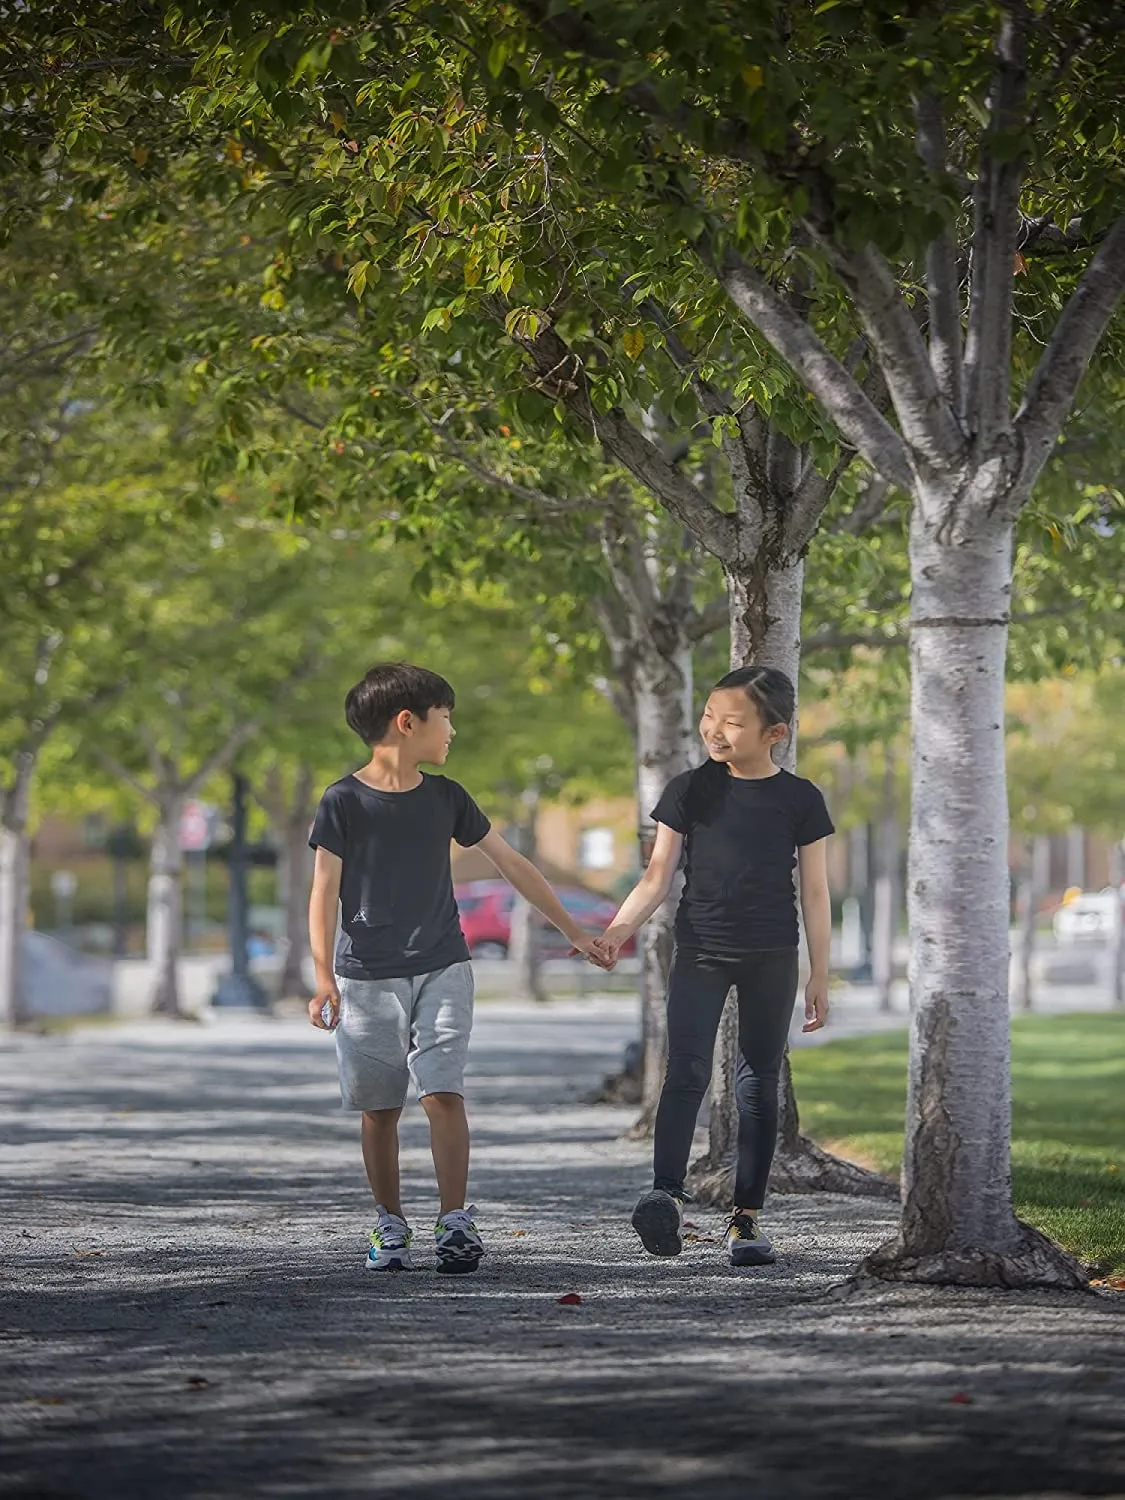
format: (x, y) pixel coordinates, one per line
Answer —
(238, 990)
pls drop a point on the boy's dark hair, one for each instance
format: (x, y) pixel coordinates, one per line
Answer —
(386, 689)
(771, 692)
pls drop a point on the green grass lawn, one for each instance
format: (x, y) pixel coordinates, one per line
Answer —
(1068, 1120)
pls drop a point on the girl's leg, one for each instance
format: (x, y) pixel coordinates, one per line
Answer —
(697, 989)
(767, 989)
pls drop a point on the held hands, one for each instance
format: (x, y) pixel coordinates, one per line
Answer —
(326, 994)
(609, 945)
(591, 950)
(816, 1003)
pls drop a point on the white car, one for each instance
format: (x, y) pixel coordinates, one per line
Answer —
(1088, 918)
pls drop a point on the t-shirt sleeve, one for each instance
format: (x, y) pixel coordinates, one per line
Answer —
(671, 809)
(469, 824)
(815, 821)
(329, 830)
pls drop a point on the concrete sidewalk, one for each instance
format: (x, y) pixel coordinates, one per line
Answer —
(184, 1311)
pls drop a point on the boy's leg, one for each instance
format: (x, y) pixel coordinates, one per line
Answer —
(441, 1021)
(697, 991)
(449, 1145)
(379, 1136)
(372, 1040)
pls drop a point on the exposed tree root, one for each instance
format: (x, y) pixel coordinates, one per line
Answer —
(807, 1169)
(1035, 1262)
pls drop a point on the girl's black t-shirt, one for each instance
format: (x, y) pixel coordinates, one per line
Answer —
(741, 838)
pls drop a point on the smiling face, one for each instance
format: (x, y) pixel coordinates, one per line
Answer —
(733, 732)
(431, 737)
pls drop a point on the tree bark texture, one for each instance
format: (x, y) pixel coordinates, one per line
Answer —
(524, 946)
(665, 742)
(294, 876)
(165, 918)
(1032, 887)
(886, 893)
(14, 803)
(958, 1221)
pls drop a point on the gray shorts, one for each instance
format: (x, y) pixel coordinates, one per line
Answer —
(394, 1030)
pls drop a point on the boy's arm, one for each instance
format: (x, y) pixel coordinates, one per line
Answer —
(649, 892)
(323, 904)
(816, 908)
(522, 875)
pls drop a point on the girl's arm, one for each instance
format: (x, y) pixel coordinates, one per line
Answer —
(816, 908)
(648, 893)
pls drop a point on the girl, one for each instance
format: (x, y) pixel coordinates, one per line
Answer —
(741, 823)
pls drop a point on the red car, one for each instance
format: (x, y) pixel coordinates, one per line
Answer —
(486, 917)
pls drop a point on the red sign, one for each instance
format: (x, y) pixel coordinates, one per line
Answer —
(195, 828)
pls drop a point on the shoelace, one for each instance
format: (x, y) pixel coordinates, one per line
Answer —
(393, 1232)
(458, 1218)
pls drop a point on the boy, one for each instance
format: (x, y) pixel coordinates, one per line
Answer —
(399, 990)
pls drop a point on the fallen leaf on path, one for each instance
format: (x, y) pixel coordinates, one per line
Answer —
(197, 1382)
(569, 1299)
(48, 1401)
(87, 1254)
(961, 1398)
(699, 1239)
(1115, 1283)
(519, 1234)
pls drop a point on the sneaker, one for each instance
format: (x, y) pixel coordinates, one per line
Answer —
(390, 1244)
(459, 1247)
(659, 1220)
(745, 1242)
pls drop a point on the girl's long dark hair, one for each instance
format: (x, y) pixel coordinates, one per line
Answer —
(772, 693)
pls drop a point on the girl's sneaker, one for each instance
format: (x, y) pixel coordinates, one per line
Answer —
(745, 1242)
(390, 1243)
(659, 1220)
(459, 1247)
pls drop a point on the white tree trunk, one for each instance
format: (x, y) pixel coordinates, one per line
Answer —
(1032, 888)
(1117, 951)
(958, 1221)
(14, 803)
(884, 926)
(665, 744)
(294, 874)
(524, 946)
(164, 929)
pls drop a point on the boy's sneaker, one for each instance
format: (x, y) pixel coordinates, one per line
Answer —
(390, 1244)
(745, 1242)
(459, 1247)
(659, 1220)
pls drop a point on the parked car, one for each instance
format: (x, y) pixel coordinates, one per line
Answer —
(486, 917)
(1088, 917)
(58, 980)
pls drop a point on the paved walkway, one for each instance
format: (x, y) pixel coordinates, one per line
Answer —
(184, 1313)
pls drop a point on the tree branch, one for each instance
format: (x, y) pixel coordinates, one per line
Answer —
(925, 417)
(988, 344)
(1052, 389)
(946, 353)
(562, 376)
(858, 419)
(810, 500)
(711, 617)
(868, 508)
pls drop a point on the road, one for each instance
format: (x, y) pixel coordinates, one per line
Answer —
(184, 1310)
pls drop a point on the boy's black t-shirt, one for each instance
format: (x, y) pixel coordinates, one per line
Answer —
(740, 843)
(398, 915)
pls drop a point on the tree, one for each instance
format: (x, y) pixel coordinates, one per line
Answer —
(1003, 125)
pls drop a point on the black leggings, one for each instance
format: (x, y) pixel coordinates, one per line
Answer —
(767, 987)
